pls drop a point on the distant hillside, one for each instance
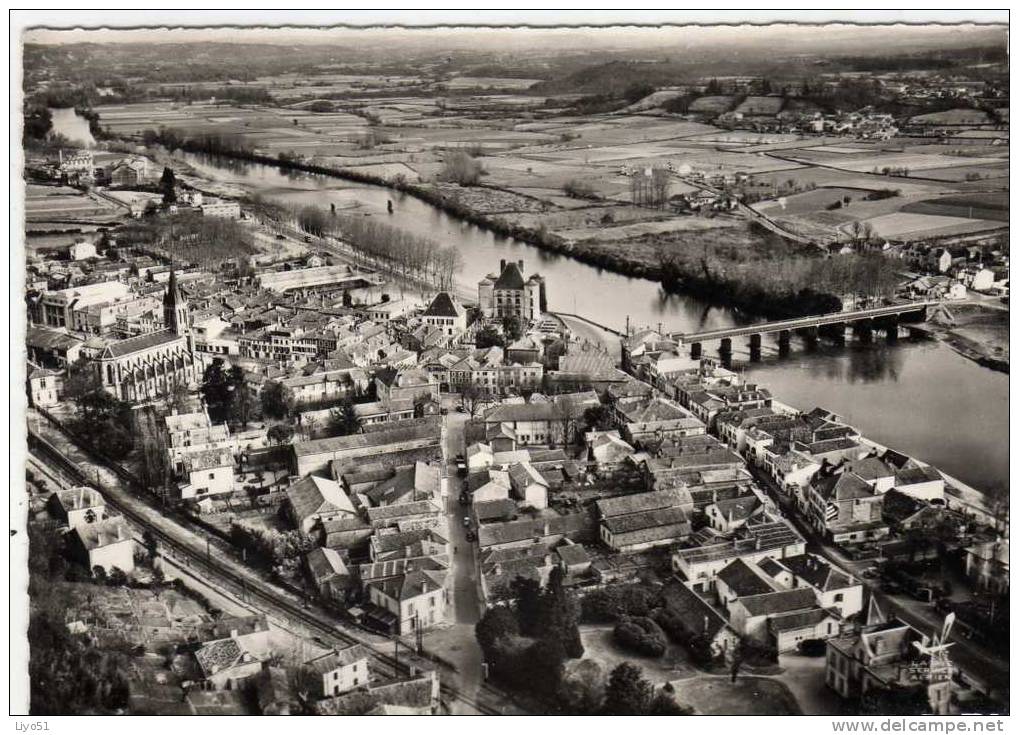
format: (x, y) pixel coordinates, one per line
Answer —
(614, 78)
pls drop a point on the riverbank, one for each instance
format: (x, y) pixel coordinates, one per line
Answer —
(649, 256)
(978, 333)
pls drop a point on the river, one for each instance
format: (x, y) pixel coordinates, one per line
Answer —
(918, 397)
(71, 125)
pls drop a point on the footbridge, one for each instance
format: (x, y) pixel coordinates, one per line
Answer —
(863, 321)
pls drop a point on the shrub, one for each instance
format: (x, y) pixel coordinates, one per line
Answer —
(812, 647)
(577, 189)
(641, 635)
(615, 602)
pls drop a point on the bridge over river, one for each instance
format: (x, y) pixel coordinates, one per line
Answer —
(863, 321)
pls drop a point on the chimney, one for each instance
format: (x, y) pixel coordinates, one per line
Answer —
(547, 529)
(520, 264)
(233, 633)
(705, 625)
(502, 265)
(757, 543)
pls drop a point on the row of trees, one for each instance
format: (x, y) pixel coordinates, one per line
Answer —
(410, 255)
(650, 188)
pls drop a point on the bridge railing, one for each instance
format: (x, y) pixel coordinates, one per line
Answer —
(802, 322)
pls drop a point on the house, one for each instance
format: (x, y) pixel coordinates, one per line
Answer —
(833, 588)
(700, 617)
(106, 543)
(328, 573)
(315, 455)
(208, 472)
(845, 508)
(546, 531)
(409, 602)
(922, 483)
(882, 655)
(573, 558)
(987, 566)
(446, 314)
(339, 671)
(314, 500)
(45, 386)
(82, 250)
(725, 516)
(757, 540)
(488, 485)
(759, 608)
(607, 449)
(413, 384)
(405, 516)
(644, 530)
(226, 663)
(187, 432)
(77, 506)
(528, 486)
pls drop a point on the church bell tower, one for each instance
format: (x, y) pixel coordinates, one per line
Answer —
(176, 316)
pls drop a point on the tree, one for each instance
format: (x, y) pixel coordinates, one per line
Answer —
(117, 578)
(628, 692)
(565, 416)
(598, 417)
(512, 328)
(344, 420)
(473, 397)
(168, 186)
(488, 336)
(495, 625)
(82, 380)
(151, 543)
(215, 390)
(280, 434)
(582, 689)
(561, 613)
(277, 400)
(460, 168)
(528, 604)
(176, 396)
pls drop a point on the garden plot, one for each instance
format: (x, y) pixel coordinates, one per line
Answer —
(807, 175)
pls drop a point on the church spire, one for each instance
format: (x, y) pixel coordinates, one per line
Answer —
(175, 306)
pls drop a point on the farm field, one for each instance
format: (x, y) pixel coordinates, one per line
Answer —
(809, 201)
(988, 206)
(64, 204)
(910, 226)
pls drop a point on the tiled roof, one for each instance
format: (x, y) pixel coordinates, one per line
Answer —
(314, 494)
(142, 342)
(743, 580)
(781, 601)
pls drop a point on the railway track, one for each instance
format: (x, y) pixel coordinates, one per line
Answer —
(49, 461)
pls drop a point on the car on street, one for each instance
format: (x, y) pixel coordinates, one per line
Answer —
(471, 536)
(461, 469)
(443, 411)
(464, 498)
(467, 521)
(461, 409)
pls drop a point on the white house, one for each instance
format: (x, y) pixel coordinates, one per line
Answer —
(208, 472)
(528, 486)
(340, 670)
(78, 506)
(107, 543)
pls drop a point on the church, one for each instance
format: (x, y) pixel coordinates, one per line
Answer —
(146, 366)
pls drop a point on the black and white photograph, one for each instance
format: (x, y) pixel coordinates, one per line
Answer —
(510, 363)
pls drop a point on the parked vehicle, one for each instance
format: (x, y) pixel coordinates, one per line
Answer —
(467, 521)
